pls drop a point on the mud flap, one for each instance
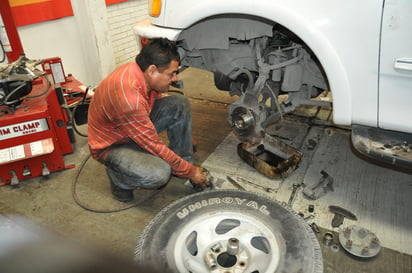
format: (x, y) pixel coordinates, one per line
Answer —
(391, 147)
(271, 157)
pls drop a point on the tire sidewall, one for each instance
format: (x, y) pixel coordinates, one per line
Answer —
(299, 249)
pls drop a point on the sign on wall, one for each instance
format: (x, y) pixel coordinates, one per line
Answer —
(110, 2)
(26, 12)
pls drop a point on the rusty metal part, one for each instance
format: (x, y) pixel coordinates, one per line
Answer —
(271, 157)
(315, 228)
(340, 214)
(359, 241)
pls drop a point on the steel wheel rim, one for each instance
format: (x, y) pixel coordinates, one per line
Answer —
(203, 242)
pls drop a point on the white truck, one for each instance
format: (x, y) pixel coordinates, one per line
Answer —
(359, 50)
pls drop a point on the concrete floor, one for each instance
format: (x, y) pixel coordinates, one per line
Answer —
(48, 201)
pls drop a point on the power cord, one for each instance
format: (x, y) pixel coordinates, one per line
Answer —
(46, 90)
(74, 122)
(81, 103)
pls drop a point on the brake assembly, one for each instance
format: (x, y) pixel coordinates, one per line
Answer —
(256, 109)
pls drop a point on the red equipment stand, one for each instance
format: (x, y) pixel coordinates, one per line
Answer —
(35, 137)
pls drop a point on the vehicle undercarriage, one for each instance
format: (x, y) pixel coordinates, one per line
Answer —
(257, 61)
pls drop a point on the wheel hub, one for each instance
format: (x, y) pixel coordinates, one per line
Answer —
(225, 256)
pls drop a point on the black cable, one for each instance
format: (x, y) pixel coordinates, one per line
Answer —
(6, 102)
(74, 122)
(44, 92)
(3, 51)
(6, 99)
(77, 200)
(83, 101)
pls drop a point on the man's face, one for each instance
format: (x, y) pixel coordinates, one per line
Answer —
(159, 79)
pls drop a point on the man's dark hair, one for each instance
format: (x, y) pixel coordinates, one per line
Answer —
(159, 51)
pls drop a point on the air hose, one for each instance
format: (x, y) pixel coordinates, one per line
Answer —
(81, 204)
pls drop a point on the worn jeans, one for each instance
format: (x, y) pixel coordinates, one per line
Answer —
(129, 166)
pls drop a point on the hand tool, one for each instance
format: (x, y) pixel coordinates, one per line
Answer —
(295, 187)
(234, 183)
(267, 189)
(306, 218)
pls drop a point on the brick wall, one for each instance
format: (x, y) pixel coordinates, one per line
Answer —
(121, 18)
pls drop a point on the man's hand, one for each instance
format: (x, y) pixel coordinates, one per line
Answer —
(200, 179)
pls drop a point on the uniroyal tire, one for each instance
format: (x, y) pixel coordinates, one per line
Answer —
(193, 235)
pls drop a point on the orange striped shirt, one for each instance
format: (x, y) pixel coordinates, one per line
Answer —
(120, 112)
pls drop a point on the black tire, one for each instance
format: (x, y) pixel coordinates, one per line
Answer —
(193, 234)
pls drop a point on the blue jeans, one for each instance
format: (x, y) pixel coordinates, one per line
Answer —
(129, 166)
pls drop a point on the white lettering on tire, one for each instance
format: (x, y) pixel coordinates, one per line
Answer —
(184, 212)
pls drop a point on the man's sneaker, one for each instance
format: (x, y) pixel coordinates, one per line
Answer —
(120, 194)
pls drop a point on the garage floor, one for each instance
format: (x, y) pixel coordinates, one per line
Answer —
(378, 196)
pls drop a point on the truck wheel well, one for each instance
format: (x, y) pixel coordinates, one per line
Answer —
(258, 61)
(235, 27)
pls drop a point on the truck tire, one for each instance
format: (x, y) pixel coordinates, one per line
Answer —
(229, 231)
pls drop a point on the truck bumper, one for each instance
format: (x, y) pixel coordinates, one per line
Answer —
(145, 29)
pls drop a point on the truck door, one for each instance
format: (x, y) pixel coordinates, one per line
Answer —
(395, 79)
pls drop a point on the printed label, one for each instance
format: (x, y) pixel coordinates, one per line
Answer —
(27, 150)
(23, 128)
